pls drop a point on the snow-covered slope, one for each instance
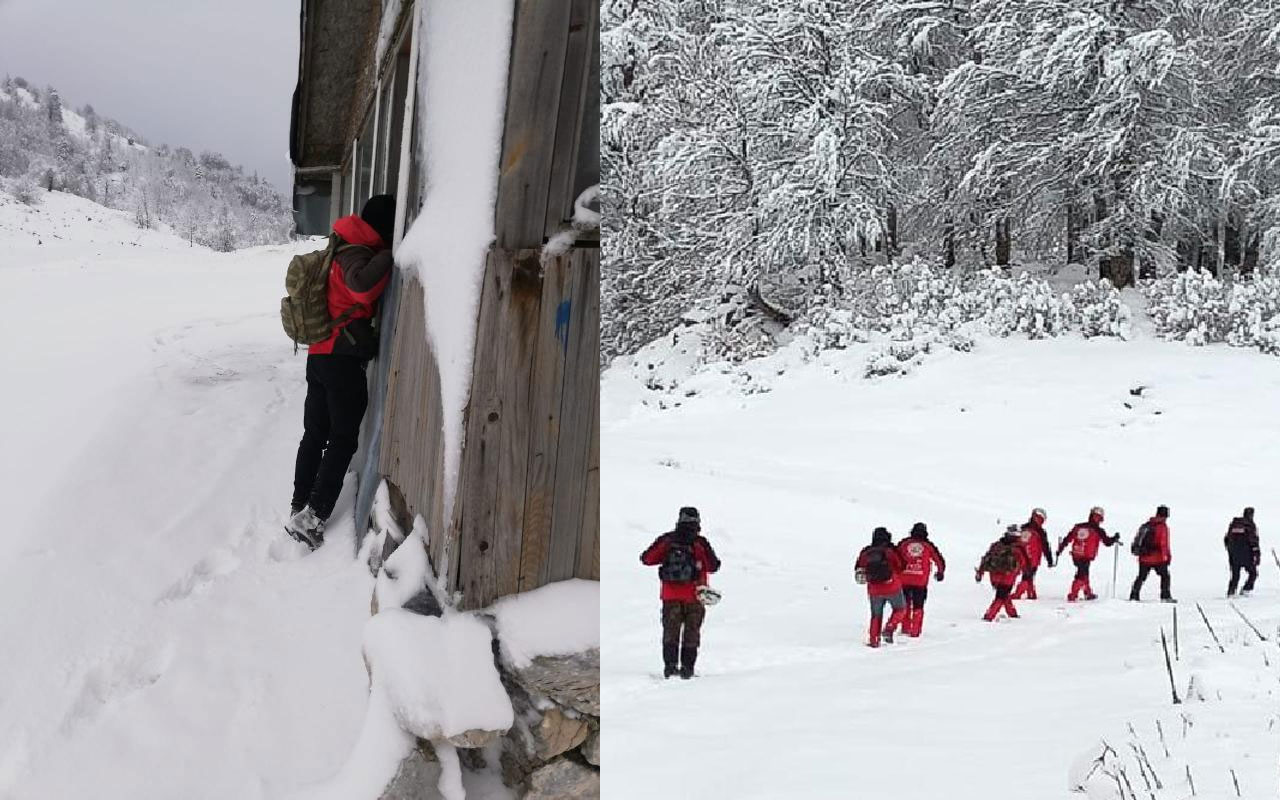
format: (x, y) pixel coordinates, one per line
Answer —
(791, 703)
(160, 636)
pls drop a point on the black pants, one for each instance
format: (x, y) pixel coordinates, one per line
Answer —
(337, 395)
(1082, 568)
(915, 595)
(1143, 571)
(1029, 574)
(1246, 564)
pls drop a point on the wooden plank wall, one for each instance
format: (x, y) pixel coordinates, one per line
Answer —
(528, 495)
(412, 449)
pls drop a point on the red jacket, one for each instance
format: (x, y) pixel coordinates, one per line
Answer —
(1162, 555)
(1084, 540)
(1036, 542)
(703, 555)
(342, 295)
(896, 563)
(1006, 578)
(919, 557)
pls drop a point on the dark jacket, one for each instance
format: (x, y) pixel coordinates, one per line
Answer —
(703, 554)
(1242, 543)
(357, 279)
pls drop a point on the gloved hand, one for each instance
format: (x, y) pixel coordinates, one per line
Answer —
(977, 577)
(938, 577)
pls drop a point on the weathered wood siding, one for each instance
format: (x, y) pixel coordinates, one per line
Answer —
(527, 504)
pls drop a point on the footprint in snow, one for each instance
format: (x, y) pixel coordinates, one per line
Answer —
(222, 561)
(124, 672)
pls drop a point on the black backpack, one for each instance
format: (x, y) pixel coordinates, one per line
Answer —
(878, 568)
(1239, 530)
(679, 564)
(1144, 541)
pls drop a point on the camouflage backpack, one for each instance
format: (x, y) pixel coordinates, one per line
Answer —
(1000, 558)
(304, 311)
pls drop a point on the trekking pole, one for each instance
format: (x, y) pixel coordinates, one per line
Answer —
(1176, 657)
(1210, 627)
(1168, 665)
(1115, 567)
(1247, 621)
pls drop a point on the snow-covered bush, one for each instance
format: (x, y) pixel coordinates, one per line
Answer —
(1197, 308)
(1097, 310)
(25, 190)
(910, 310)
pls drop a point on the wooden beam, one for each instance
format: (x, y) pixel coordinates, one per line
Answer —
(536, 73)
(584, 25)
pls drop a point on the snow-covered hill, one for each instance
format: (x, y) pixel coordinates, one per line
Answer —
(791, 703)
(161, 637)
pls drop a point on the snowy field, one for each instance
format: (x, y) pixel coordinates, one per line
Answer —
(790, 702)
(161, 638)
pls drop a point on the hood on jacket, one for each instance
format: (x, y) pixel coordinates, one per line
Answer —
(881, 537)
(354, 230)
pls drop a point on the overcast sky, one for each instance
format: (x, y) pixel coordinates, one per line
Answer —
(203, 74)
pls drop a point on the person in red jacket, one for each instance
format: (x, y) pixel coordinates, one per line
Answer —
(1004, 561)
(1084, 540)
(1036, 542)
(1154, 554)
(684, 559)
(880, 567)
(337, 387)
(920, 556)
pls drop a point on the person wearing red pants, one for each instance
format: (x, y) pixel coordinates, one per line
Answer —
(1004, 561)
(1084, 540)
(1036, 542)
(879, 567)
(920, 557)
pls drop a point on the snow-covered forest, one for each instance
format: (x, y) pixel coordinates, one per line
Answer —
(777, 150)
(45, 146)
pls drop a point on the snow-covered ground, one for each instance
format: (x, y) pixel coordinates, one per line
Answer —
(791, 703)
(161, 638)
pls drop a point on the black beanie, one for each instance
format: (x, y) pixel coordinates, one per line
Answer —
(920, 530)
(881, 536)
(1248, 513)
(1162, 512)
(689, 514)
(380, 212)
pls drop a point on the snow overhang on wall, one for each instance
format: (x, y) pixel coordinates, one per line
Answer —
(463, 51)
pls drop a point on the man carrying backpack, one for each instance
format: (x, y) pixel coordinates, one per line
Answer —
(359, 266)
(1151, 546)
(879, 567)
(1243, 552)
(684, 560)
(1036, 542)
(920, 556)
(1084, 540)
(1004, 561)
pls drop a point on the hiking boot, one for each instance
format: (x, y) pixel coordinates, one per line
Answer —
(1246, 593)
(1090, 596)
(669, 670)
(887, 637)
(307, 527)
(1167, 600)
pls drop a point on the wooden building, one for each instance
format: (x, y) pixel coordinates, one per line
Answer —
(526, 508)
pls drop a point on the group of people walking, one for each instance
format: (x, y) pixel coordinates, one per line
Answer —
(897, 575)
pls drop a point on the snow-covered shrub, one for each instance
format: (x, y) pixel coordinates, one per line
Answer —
(1097, 310)
(26, 190)
(1197, 308)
